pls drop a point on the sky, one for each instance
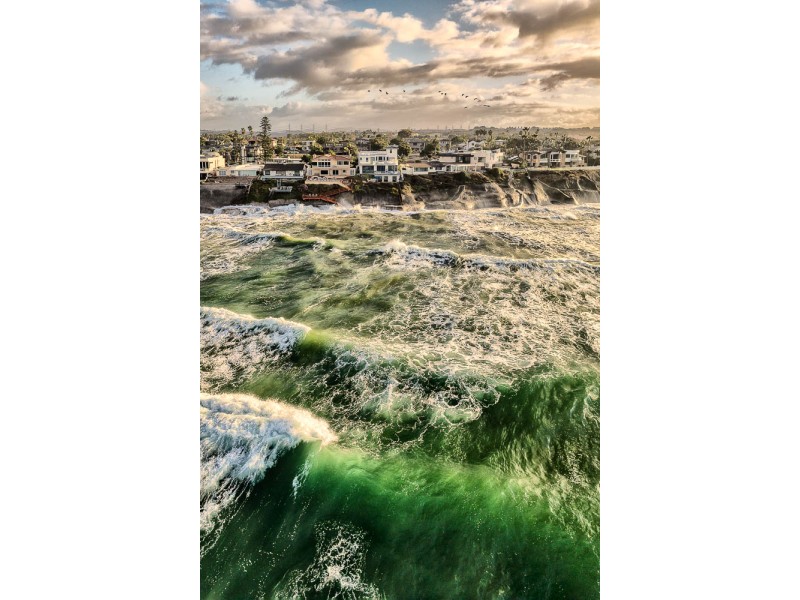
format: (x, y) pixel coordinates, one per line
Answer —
(328, 64)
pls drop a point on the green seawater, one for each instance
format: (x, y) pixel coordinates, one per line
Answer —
(400, 405)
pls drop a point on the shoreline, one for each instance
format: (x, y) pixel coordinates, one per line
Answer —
(441, 191)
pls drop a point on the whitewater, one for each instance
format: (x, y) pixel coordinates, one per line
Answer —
(400, 405)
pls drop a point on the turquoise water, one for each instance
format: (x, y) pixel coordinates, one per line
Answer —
(400, 405)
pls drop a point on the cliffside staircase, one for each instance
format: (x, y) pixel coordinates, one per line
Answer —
(329, 197)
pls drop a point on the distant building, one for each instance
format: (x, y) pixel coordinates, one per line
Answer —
(210, 162)
(382, 165)
(330, 166)
(417, 144)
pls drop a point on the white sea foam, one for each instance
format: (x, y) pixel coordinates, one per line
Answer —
(241, 437)
(338, 567)
(224, 246)
(404, 254)
(233, 347)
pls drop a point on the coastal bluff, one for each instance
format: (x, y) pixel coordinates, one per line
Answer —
(489, 189)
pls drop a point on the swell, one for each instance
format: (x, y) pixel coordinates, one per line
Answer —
(541, 424)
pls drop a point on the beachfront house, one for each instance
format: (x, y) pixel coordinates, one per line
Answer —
(240, 171)
(535, 158)
(210, 163)
(563, 159)
(381, 165)
(284, 171)
(416, 168)
(470, 161)
(330, 166)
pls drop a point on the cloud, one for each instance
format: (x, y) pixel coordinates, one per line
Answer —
(539, 19)
(518, 53)
(586, 68)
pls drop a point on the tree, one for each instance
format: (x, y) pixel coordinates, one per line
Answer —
(404, 133)
(568, 143)
(351, 149)
(525, 135)
(430, 149)
(266, 140)
(378, 143)
(250, 131)
(236, 141)
(281, 147)
(403, 147)
(458, 139)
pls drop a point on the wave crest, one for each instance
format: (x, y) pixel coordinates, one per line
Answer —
(241, 437)
(233, 346)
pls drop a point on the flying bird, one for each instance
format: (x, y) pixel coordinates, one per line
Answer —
(380, 90)
(387, 93)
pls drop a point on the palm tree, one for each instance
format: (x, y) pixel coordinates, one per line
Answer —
(525, 133)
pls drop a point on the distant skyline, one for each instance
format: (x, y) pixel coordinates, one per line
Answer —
(312, 62)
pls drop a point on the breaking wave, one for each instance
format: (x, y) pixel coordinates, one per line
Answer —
(233, 347)
(241, 437)
(416, 255)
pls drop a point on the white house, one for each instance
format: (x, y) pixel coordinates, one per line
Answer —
(240, 171)
(470, 161)
(382, 165)
(416, 168)
(487, 159)
(210, 162)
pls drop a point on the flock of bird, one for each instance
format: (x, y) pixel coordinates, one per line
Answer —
(476, 99)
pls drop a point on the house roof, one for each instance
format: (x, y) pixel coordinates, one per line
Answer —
(246, 167)
(284, 166)
(417, 164)
(332, 156)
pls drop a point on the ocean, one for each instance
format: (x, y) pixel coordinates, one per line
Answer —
(400, 405)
